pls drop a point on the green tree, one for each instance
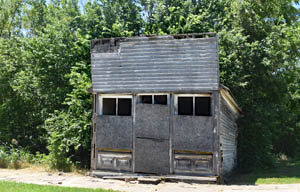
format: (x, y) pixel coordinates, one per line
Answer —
(189, 16)
(10, 17)
(122, 18)
(258, 54)
(45, 68)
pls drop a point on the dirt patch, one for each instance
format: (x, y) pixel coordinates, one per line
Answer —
(76, 180)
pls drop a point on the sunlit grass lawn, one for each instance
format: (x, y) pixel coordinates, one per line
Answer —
(285, 172)
(6, 186)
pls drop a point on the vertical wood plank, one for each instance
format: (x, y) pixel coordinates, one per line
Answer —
(216, 133)
(134, 103)
(194, 106)
(93, 132)
(170, 104)
(117, 103)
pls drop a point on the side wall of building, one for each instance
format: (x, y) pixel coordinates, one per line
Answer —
(228, 135)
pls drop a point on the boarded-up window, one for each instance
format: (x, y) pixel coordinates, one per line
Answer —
(109, 106)
(202, 106)
(124, 107)
(185, 105)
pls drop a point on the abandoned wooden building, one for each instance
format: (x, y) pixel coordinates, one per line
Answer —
(159, 107)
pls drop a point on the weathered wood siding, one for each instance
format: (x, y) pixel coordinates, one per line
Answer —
(154, 64)
(154, 139)
(228, 136)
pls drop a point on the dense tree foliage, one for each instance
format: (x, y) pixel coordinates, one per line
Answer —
(45, 68)
(259, 58)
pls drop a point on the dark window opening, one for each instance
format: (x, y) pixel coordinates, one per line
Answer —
(202, 106)
(160, 99)
(146, 99)
(185, 105)
(94, 152)
(109, 106)
(95, 104)
(124, 107)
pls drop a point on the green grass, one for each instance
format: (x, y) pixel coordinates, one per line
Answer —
(6, 186)
(285, 172)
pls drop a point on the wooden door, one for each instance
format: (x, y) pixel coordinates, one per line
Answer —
(152, 134)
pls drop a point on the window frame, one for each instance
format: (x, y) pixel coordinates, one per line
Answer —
(194, 102)
(153, 94)
(117, 97)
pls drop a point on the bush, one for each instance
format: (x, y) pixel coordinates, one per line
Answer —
(69, 130)
(66, 139)
(40, 159)
(15, 160)
(4, 158)
(14, 157)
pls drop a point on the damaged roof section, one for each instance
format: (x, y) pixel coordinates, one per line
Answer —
(171, 63)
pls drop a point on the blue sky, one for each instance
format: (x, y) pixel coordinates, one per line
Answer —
(82, 2)
(297, 5)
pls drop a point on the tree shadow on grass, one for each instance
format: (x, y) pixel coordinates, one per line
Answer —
(284, 172)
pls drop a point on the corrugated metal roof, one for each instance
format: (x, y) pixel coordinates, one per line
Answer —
(155, 64)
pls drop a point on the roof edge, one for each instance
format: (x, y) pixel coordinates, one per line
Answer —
(155, 37)
(227, 94)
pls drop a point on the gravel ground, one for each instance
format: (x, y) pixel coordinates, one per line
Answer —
(76, 180)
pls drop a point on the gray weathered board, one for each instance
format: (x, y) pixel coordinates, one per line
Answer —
(228, 137)
(154, 64)
(193, 133)
(114, 132)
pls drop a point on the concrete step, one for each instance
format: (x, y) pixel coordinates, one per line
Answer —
(149, 178)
